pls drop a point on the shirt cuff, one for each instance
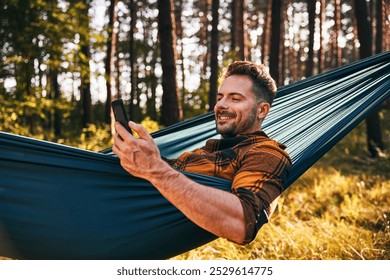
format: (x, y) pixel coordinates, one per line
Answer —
(255, 213)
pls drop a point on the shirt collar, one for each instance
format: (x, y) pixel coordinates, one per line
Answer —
(226, 143)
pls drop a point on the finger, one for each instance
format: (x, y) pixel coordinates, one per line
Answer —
(141, 131)
(118, 146)
(122, 131)
(116, 150)
(117, 140)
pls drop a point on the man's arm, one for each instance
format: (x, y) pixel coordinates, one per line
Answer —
(216, 211)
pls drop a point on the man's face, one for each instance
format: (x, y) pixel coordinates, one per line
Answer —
(236, 111)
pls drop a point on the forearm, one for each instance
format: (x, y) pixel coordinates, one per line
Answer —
(217, 211)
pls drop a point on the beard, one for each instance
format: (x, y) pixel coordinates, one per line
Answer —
(232, 129)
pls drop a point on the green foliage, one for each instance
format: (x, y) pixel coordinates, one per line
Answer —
(150, 125)
(92, 138)
(9, 116)
(196, 102)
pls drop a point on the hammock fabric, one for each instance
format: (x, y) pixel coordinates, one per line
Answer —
(60, 202)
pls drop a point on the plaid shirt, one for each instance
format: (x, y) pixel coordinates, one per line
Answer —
(256, 165)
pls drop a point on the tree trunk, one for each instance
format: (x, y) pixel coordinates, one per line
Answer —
(109, 61)
(204, 36)
(283, 17)
(180, 35)
(85, 73)
(337, 31)
(356, 40)
(275, 39)
(85, 86)
(379, 26)
(374, 135)
(214, 56)
(170, 108)
(239, 44)
(133, 85)
(266, 33)
(321, 51)
(55, 87)
(386, 28)
(311, 7)
(363, 28)
(151, 105)
(298, 60)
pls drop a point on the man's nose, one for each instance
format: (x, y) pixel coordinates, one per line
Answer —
(221, 104)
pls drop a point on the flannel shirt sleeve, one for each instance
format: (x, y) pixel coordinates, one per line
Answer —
(259, 183)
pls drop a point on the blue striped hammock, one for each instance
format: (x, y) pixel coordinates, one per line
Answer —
(60, 202)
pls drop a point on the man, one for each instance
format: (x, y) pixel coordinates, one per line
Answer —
(257, 165)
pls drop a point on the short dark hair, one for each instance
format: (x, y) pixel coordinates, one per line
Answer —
(264, 86)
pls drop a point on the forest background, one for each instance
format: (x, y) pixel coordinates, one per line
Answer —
(64, 61)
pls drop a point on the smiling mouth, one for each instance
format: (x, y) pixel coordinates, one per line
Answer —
(225, 116)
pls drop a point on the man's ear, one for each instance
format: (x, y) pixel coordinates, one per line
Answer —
(263, 109)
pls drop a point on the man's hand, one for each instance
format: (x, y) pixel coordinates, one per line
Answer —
(138, 156)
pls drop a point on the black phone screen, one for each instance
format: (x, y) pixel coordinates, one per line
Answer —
(120, 113)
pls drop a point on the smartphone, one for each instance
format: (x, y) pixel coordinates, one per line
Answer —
(120, 113)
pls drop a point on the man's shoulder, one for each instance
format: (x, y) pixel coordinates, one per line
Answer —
(264, 156)
(260, 139)
(262, 145)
